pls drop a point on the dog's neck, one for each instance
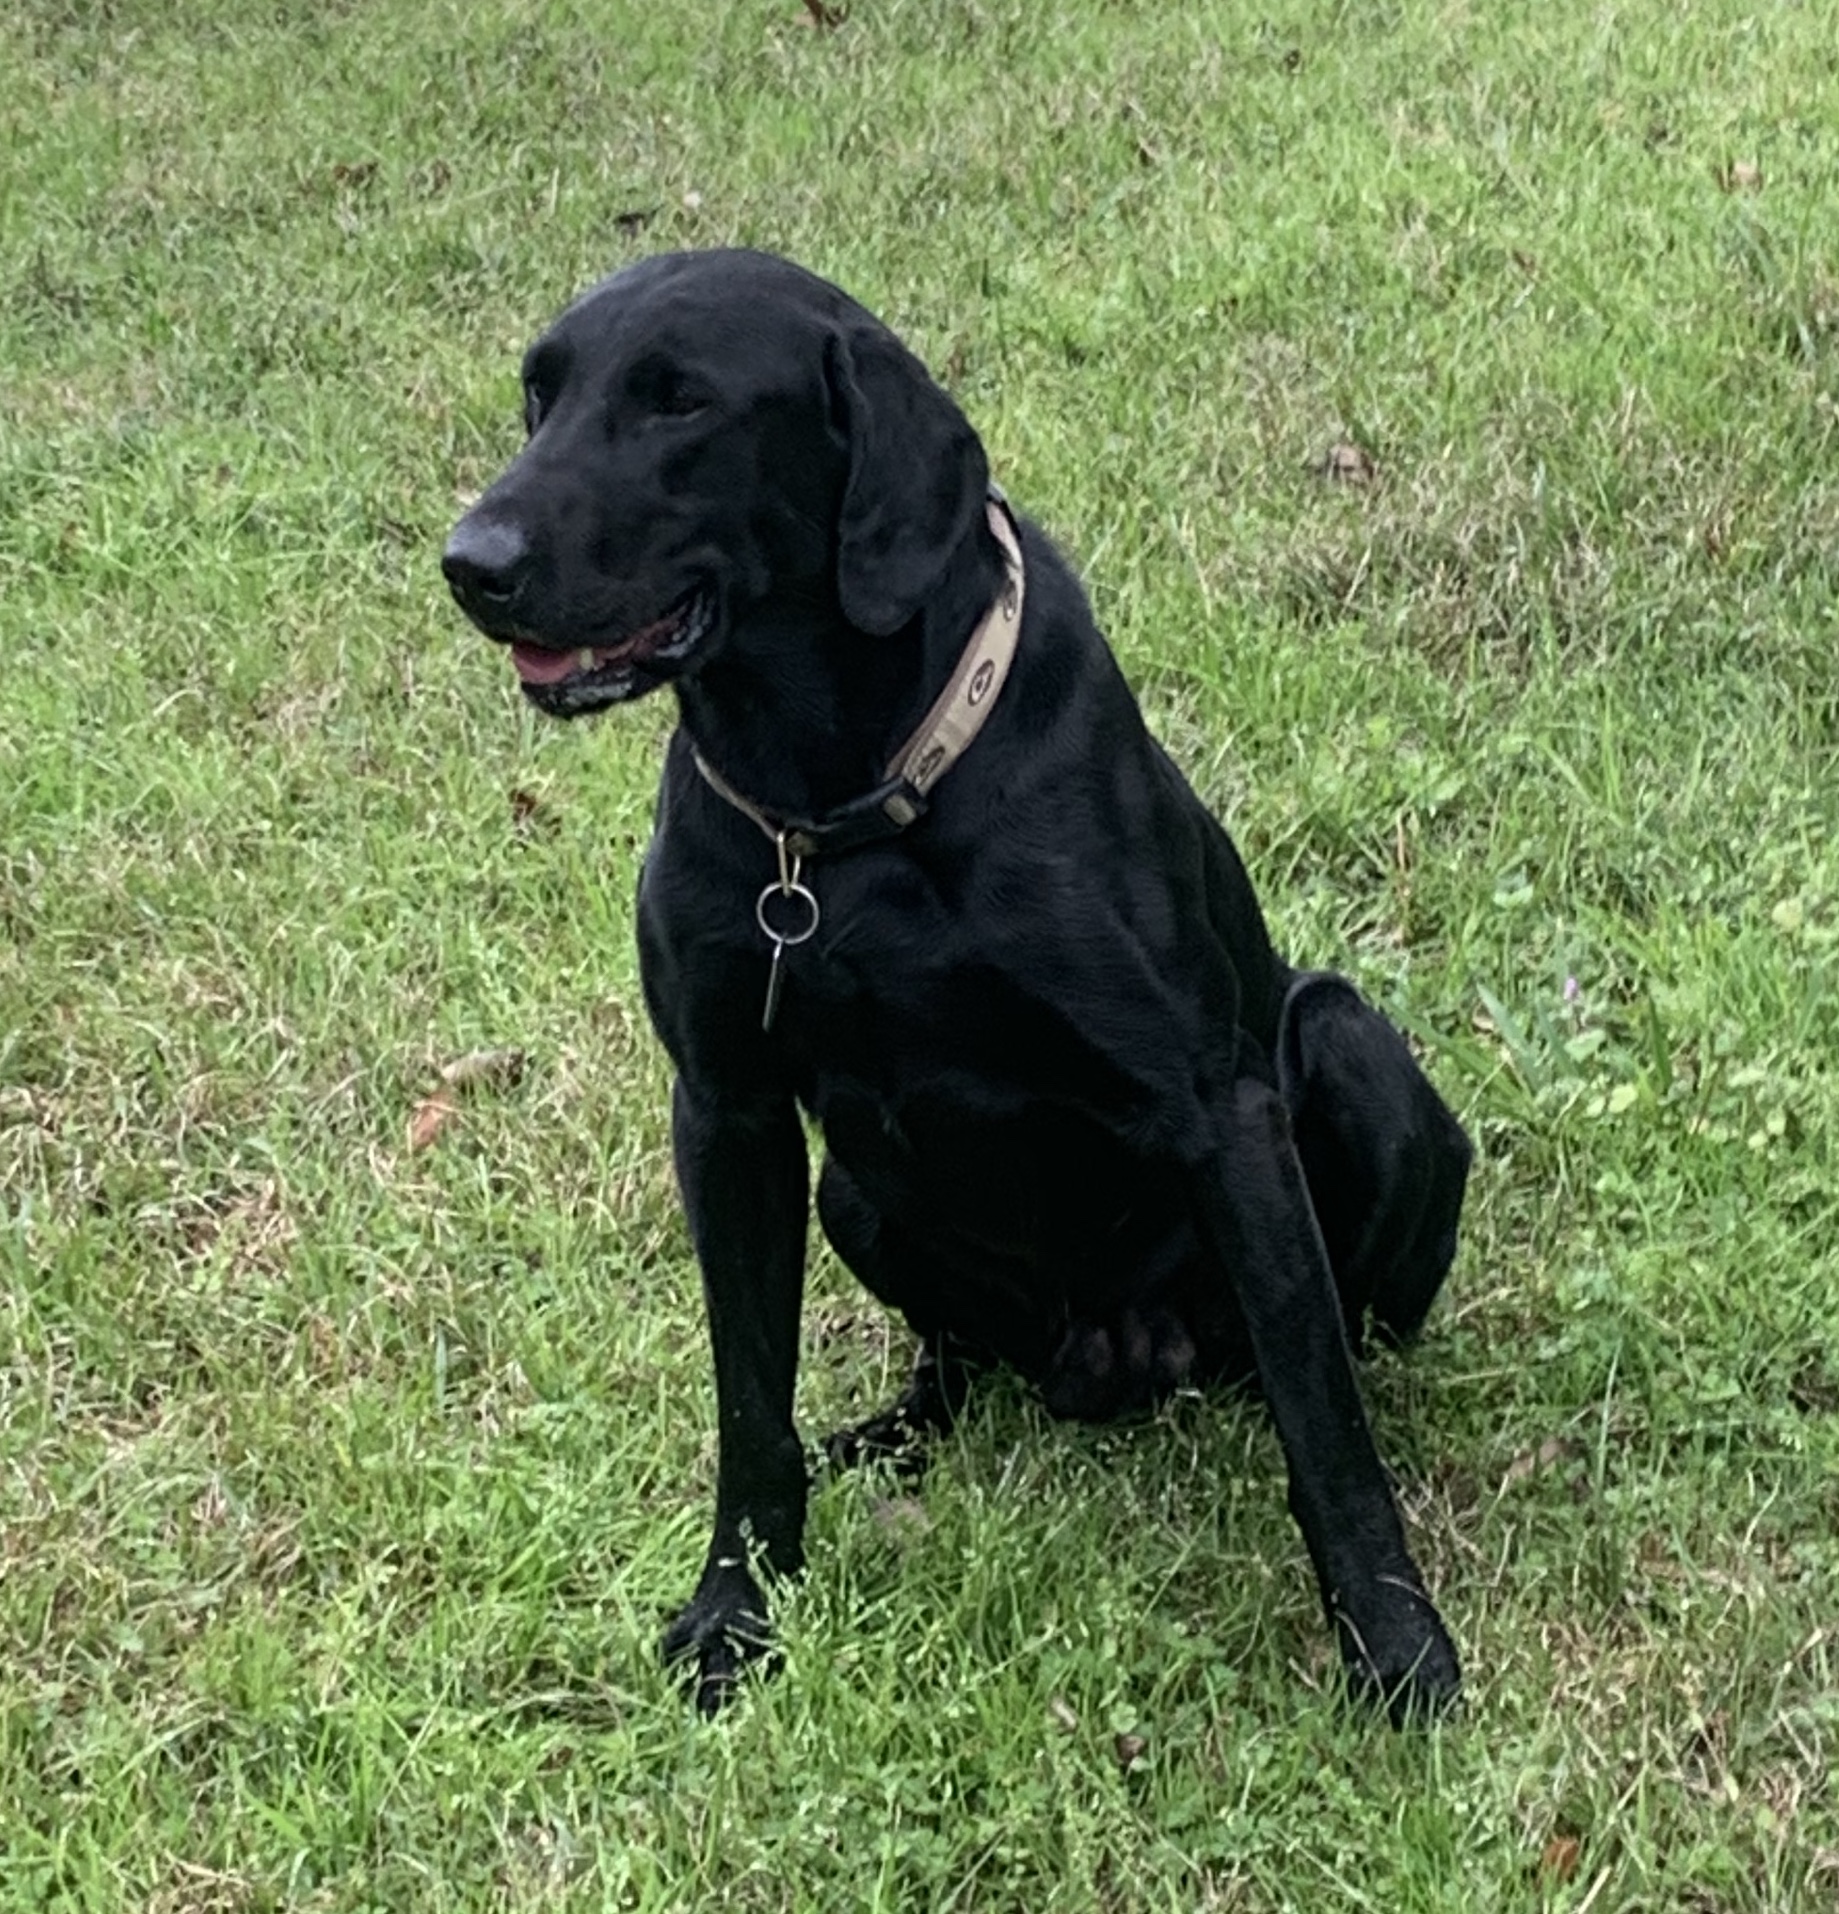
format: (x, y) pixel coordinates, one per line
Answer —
(802, 711)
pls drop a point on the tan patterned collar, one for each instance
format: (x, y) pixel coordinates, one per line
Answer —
(944, 734)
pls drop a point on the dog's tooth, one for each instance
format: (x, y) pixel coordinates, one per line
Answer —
(585, 658)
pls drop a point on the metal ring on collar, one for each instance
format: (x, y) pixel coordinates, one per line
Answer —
(793, 890)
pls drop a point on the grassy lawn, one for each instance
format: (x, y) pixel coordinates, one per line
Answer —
(344, 1485)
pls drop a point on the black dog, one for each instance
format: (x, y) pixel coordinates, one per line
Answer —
(920, 869)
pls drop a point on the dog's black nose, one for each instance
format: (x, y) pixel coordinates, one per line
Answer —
(485, 562)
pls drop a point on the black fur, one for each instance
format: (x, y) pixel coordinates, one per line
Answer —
(1077, 1115)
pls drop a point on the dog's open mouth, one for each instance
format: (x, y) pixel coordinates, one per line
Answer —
(580, 679)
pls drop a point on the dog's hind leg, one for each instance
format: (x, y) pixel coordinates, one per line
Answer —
(943, 1369)
(1385, 1161)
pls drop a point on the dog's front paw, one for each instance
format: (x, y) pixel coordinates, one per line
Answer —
(1398, 1654)
(720, 1630)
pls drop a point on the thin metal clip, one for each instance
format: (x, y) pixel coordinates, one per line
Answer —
(788, 886)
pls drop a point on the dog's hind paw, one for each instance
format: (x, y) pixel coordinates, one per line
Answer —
(890, 1437)
(902, 1433)
(719, 1630)
(1402, 1659)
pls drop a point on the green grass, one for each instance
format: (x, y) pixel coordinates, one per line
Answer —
(343, 1489)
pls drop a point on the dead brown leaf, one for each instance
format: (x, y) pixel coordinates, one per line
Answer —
(1346, 463)
(476, 1070)
(824, 15)
(530, 812)
(1559, 1861)
(1531, 1461)
(432, 1116)
(1739, 176)
(484, 1069)
(1130, 1750)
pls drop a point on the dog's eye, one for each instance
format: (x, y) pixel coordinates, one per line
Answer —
(659, 389)
(680, 400)
(545, 369)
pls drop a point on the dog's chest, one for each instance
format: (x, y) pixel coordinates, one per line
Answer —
(957, 993)
(954, 1063)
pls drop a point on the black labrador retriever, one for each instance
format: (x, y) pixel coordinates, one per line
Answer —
(920, 870)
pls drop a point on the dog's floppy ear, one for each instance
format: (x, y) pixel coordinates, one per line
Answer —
(917, 477)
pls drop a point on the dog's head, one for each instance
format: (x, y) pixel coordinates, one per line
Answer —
(715, 440)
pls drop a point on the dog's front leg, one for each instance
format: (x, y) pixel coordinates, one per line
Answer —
(741, 1165)
(1254, 1205)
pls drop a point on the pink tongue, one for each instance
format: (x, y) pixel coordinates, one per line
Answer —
(538, 667)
